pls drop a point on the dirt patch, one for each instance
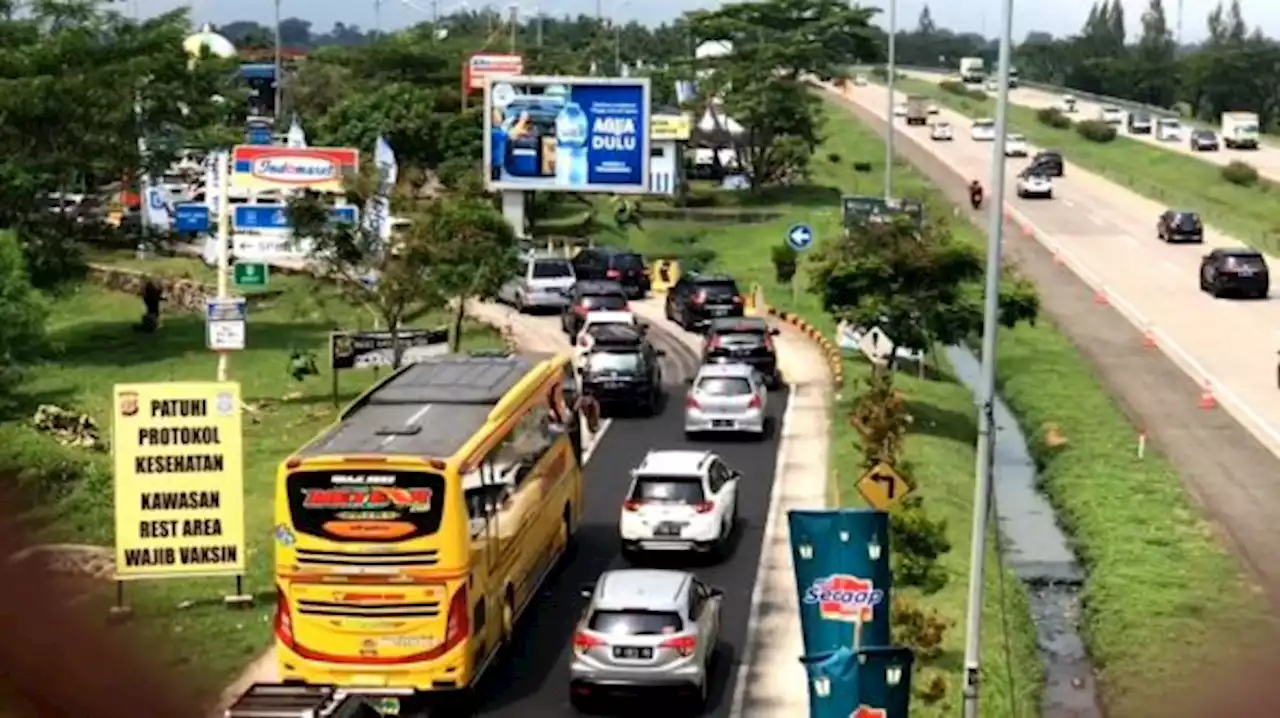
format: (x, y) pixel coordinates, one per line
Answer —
(1228, 471)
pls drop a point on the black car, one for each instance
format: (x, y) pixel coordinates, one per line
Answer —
(618, 265)
(1204, 141)
(743, 340)
(1179, 226)
(1238, 270)
(590, 297)
(1047, 164)
(622, 369)
(698, 298)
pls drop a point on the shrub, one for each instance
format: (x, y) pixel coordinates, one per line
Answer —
(1096, 131)
(978, 95)
(833, 158)
(917, 542)
(698, 198)
(784, 262)
(22, 314)
(1053, 117)
(923, 631)
(955, 87)
(1241, 173)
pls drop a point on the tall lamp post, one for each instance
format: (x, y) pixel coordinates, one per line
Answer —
(892, 71)
(279, 75)
(986, 389)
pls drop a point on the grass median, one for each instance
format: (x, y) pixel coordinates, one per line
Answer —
(93, 345)
(940, 449)
(1179, 181)
(1158, 578)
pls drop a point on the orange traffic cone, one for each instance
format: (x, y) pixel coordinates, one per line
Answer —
(1207, 401)
(1149, 338)
(1100, 298)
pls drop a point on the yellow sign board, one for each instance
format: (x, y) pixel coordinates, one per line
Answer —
(883, 487)
(670, 127)
(179, 480)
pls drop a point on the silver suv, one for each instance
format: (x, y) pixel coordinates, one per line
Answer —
(645, 630)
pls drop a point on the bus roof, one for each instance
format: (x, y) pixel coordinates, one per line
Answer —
(430, 408)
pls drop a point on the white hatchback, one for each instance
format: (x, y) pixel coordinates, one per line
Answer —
(941, 131)
(679, 501)
(726, 398)
(984, 130)
(1015, 146)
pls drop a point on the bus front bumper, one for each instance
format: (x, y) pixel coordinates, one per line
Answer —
(448, 673)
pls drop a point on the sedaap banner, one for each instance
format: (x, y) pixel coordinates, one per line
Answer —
(568, 134)
(262, 167)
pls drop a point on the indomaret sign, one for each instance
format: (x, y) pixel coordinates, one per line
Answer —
(179, 480)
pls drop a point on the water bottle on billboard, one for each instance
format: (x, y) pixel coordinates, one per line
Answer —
(571, 146)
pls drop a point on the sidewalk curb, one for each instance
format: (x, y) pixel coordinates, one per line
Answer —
(835, 360)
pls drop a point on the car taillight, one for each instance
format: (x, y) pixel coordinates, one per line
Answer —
(691, 403)
(631, 505)
(459, 624)
(713, 343)
(737, 299)
(613, 274)
(704, 507)
(583, 642)
(283, 621)
(684, 645)
(755, 402)
(580, 310)
(700, 297)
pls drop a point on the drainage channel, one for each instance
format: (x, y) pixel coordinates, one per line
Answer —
(1039, 554)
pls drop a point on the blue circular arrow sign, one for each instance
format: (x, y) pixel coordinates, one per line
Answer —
(800, 237)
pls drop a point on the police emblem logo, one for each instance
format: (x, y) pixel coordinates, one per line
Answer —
(128, 403)
(225, 403)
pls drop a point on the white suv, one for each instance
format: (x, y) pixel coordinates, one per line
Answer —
(679, 501)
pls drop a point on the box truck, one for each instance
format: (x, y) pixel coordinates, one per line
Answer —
(1240, 130)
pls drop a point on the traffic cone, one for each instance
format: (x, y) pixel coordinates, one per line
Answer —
(1207, 401)
(1100, 298)
(1149, 338)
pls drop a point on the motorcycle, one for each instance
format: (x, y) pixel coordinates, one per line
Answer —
(975, 198)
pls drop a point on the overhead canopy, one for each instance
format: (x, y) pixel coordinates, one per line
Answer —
(715, 125)
(210, 43)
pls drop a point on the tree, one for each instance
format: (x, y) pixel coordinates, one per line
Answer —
(920, 286)
(925, 25)
(470, 249)
(22, 316)
(390, 280)
(1155, 54)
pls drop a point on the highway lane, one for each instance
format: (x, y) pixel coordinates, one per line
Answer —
(533, 680)
(1106, 235)
(1266, 159)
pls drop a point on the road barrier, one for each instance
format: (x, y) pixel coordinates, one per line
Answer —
(831, 352)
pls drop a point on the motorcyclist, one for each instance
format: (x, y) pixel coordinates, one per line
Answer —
(975, 194)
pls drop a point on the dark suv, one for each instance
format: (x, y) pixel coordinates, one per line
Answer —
(1048, 164)
(591, 297)
(622, 369)
(743, 340)
(619, 265)
(1235, 270)
(697, 299)
(1176, 226)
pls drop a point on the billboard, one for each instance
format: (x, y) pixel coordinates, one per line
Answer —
(567, 134)
(179, 480)
(670, 126)
(484, 65)
(266, 167)
(843, 576)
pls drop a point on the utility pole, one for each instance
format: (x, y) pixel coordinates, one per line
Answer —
(539, 27)
(224, 241)
(515, 23)
(377, 16)
(987, 387)
(892, 71)
(279, 73)
(1178, 36)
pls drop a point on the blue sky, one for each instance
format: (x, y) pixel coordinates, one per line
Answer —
(1060, 18)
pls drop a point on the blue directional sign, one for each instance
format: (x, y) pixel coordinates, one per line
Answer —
(191, 217)
(800, 237)
(276, 216)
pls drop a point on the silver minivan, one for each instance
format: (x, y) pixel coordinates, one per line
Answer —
(543, 284)
(645, 631)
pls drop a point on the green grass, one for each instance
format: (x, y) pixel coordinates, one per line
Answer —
(941, 447)
(1247, 213)
(94, 347)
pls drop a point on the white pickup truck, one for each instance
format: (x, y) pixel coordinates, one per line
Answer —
(1240, 130)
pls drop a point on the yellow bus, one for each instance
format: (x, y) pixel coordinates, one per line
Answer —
(412, 534)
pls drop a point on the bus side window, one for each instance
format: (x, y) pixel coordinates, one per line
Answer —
(527, 442)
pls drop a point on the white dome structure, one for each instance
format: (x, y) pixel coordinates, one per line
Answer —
(210, 43)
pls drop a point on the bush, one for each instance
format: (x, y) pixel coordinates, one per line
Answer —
(784, 262)
(978, 95)
(1096, 131)
(1241, 173)
(697, 198)
(1053, 117)
(22, 314)
(833, 158)
(955, 87)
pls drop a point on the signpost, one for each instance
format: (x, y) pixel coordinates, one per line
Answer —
(251, 274)
(276, 216)
(359, 350)
(799, 238)
(191, 217)
(225, 324)
(882, 486)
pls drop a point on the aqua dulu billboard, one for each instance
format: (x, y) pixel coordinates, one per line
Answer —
(567, 134)
(841, 560)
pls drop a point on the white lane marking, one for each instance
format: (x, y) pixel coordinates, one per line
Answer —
(1129, 239)
(1171, 267)
(1068, 203)
(589, 451)
(771, 528)
(1095, 220)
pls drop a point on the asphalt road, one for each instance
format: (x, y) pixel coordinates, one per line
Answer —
(533, 679)
(1105, 235)
(1266, 159)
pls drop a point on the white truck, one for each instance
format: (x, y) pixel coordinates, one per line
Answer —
(973, 70)
(1240, 130)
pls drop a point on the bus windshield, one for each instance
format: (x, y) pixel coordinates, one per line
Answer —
(367, 506)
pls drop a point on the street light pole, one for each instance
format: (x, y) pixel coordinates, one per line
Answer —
(892, 70)
(987, 387)
(279, 75)
(224, 244)
(515, 19)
